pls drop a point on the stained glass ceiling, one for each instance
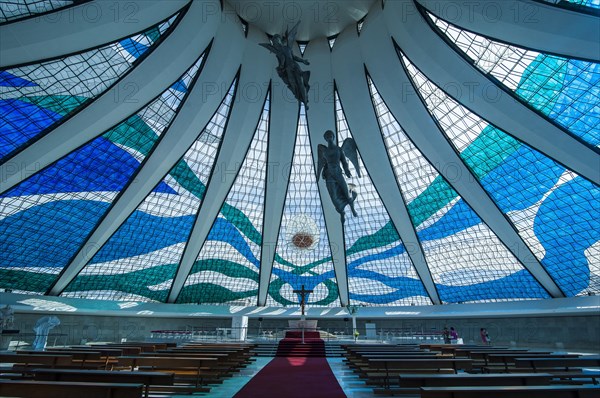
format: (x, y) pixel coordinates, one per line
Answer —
(102, 196)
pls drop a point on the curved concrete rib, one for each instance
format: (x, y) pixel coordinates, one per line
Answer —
(530, 24)
(396, 89)
(150, 78)
(348, 69)
(442, 65)
(283, 122)
(81, 27)
(237, 137)
(220, 69)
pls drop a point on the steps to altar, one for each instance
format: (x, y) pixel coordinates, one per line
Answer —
(293, 346)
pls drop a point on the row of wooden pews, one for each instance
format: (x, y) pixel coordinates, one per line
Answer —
(120, 370)
(564, 366)
(440, 370)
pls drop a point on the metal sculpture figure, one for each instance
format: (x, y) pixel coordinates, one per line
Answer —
(288, 69)
(7, 318)
(330, 157)
(42, 329)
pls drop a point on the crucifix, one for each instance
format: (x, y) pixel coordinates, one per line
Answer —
(303, 292)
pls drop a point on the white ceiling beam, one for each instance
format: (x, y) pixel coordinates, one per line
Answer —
(396, 89)
(446, 68)
(349, 74)
(530, 24)
(241, 126)
(202, 102)
(321, 117)
(283, 123)
(82, 27)
(150, 78)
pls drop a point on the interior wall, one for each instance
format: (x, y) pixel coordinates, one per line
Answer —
(569, 332)
(559, 332)
(90, 328)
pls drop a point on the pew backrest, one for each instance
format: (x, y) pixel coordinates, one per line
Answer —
(552, 391)
(57, 389)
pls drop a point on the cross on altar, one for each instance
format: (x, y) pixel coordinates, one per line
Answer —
(302, 292)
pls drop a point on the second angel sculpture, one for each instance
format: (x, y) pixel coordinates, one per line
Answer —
(330, 158)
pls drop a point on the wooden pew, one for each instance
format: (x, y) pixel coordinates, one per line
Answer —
(451, 349)
(245, 349)
(144, 345)
(382, 348)
(466, 352)
(507, 360)
(104, 351)
(92, 358)
(22, 364)
(68, 389)
(107, 355)
(392, 367)
(592, 361)
(105, 376)
(356, 354)
(199, 368)
(226, 365)
(352, 356)
(512, 392)
(564, 368)
(440, 347)
(361, 363)
(138, 347)
(125, 350)
(411, 383)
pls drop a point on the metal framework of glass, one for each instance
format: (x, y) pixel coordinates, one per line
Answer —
(138, 256)
(528, 187)
(227, 268)
(34, 98)
(587, 3)
(565, 90)
(165, 220)
(466, 259)
(64, 202)
(49, 216)
(296, 265)
(380, 271)
(15, 9)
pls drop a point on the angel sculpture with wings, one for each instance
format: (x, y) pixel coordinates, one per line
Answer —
(330, 157)
(288, 69)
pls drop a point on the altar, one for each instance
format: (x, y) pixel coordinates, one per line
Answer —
(299, 324)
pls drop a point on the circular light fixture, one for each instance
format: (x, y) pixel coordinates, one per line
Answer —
(302, 232)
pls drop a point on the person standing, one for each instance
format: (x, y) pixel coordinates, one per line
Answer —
(453, 335)
(485, 337)
(446, 335)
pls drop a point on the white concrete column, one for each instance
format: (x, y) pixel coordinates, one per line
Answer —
(151, 77)
(241, 126)
(82, 27)
(348, 67)
(396, 89)
(525, 23)
(219, 70)
(283, 122)
(239, 328)
(445, 67)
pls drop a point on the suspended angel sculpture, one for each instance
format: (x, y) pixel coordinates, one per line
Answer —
(330, 157)
(288, 69)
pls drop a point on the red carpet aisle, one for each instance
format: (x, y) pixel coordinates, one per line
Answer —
(298, 370)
